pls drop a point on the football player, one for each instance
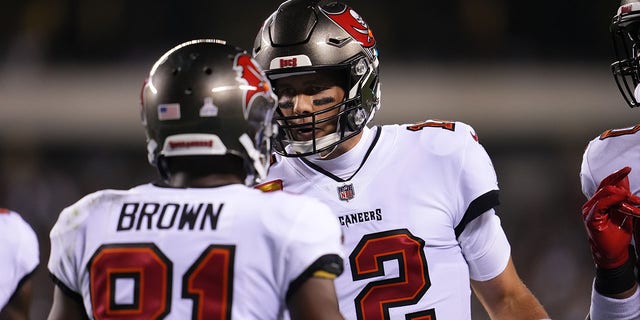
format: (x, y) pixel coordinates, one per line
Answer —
(19, 258)
(610, 177)
(415, 201)
(201, 245)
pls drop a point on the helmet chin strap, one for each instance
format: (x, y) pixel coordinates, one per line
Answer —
(307, 146)
(259, 163)
(354, 120)
(152, 145)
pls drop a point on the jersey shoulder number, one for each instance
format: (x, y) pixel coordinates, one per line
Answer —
(619, 132)
(442, 124)
(447, 125)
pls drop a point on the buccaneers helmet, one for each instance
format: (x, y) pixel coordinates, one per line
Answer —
(625, 30)
(308, 36)
(204, 97)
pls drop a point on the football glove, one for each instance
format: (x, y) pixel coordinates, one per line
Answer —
(608, 220)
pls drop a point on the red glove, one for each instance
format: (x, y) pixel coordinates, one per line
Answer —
(608, 222)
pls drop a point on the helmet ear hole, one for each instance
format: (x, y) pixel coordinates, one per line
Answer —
(355, 119)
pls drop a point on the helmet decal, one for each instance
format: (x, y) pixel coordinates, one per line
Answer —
(169, 111)
(628, 8)
(299, 60)
(208, 109)
(255, 83)
(351, 22)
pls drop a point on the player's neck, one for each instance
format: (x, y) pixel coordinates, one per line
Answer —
(183, 180)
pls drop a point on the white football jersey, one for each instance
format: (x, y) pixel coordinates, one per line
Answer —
(605, 154)
(190, 253)
(609, 152)
(403, 196)
(19, 253)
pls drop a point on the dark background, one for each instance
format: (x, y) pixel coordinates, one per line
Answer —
(87, 32)
(531, 77)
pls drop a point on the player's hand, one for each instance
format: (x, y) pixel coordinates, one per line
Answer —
(607, 221)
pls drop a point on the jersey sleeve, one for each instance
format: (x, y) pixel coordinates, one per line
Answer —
(19, 255)
(587, 180)
(478, 180)
(480, 234)
(605, 308)
(485, 247)
(66, 249)
(28, 250)
(314, 246)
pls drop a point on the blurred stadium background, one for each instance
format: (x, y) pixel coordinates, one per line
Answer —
(531, 77)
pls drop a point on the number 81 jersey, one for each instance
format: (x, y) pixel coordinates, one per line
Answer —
(217, 253)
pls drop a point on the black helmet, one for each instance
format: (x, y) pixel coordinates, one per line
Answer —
(306, 36)
(205, 97)
(625, 30)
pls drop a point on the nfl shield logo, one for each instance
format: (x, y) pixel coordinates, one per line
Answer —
(346, 192)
